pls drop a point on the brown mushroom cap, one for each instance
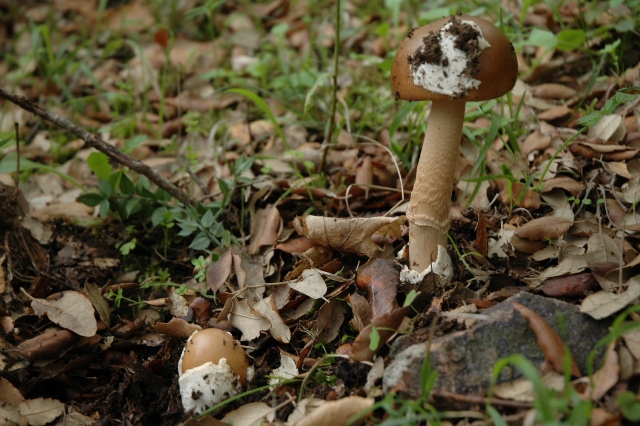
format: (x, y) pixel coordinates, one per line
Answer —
(497, 68)
(212, 344)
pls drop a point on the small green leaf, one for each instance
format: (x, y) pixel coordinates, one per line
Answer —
(91, 199)
(99, 163)
(571, 39)
(374, 338)
(126, 186)
(541, 38)
(127, 247)
(105, 188)
(208, 219)
(200, 242)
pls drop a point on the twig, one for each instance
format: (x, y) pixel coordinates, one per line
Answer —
(96, 142)
(479, 400)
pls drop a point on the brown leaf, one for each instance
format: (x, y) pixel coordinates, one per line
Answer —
(530, 200)
(386, 325)
(218, 272)
(549, 341)
(99, 303)
(70, 310)
(563, 182)
(41, 411)
(552, 91)
(346, 235)
(381, 279)
(578, 285)
(9, 394)
(605, 378)
(338, 412)
(361, 311)
(265, 228)
(555, 113)
(177, 327)
(295, 245)
(48, 345)
(543, 228)
(329, 320)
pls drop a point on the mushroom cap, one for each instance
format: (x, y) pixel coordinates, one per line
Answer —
(497, 68)
(211, 345)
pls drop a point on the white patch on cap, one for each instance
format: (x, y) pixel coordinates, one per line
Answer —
(451, 80)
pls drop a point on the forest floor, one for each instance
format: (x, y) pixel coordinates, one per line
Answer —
(167, 167)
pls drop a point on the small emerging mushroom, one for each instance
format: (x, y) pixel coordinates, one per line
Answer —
(449, 62)
(212, 368)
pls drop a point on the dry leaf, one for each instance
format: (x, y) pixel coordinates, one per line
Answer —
(251, 414)
(177, 327)
(265, 228)
(337, 412)
(329, 320)
(603, 303)
(543, 228)
(247, 321)
(310, 283)
(218, 272)
(348, 235)
(9, 394)
(554, 349)
(279, 330)
(552, 91)
(386, 325)
(71, 310)
(41, 411)
(10, 415)
(286, 371)
(605, 378)
(99, 303)
(381, 279)
(577, 285)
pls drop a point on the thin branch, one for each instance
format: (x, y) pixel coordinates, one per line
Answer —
(96, 142)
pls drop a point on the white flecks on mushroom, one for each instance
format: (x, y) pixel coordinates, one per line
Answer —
(451, 76)
(442, 267)
(204, 386)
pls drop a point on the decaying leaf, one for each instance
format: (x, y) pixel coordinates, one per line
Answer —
(49, 345)
(577, 285)
(265, 227)
(279, 330)
(381, 279)
(99, 303)
(287, 370)
(251, 414)
(349, 235)
(386, 325)
(547, 227)
(71, 310)
(554, 349)
(41, 411)
(177, 327)
(218, 272)
(310, 283)
(329, 320)
(605, 378)
(247, 321)
(603, 303)
(9, 394)
(338, 412)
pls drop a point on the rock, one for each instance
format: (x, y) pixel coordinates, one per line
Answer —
(464, 360)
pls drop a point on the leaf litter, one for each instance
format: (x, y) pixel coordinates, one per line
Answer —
(556, 211)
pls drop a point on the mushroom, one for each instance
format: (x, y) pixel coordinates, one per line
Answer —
(449, 62)
(212, 368)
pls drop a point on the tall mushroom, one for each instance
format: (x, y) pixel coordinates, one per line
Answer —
(449, 62)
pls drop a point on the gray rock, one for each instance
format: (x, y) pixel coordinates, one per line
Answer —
(464, 360)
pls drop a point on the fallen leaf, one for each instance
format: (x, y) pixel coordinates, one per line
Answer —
(287, 370)
(310, 283)
(218, 272)
(552, 91)
(329, 320)
(99, 303)
(251, 414)
(279, 330)
(41, 411)
(346, 235)
(71, 310)
(247, 321)
(381, 279)
(605, 378)
(577, 285)
(554, 349)
(338, 412)
(265, 228)
(386, 324)
(603, 303)
(9, 394)
(177, 327)
(543, 228)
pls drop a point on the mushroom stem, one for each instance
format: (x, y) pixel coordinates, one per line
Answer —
(430, 208)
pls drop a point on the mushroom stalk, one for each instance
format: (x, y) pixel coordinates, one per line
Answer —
(430, 207)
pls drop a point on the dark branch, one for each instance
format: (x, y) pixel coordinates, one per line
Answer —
(96, 142)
